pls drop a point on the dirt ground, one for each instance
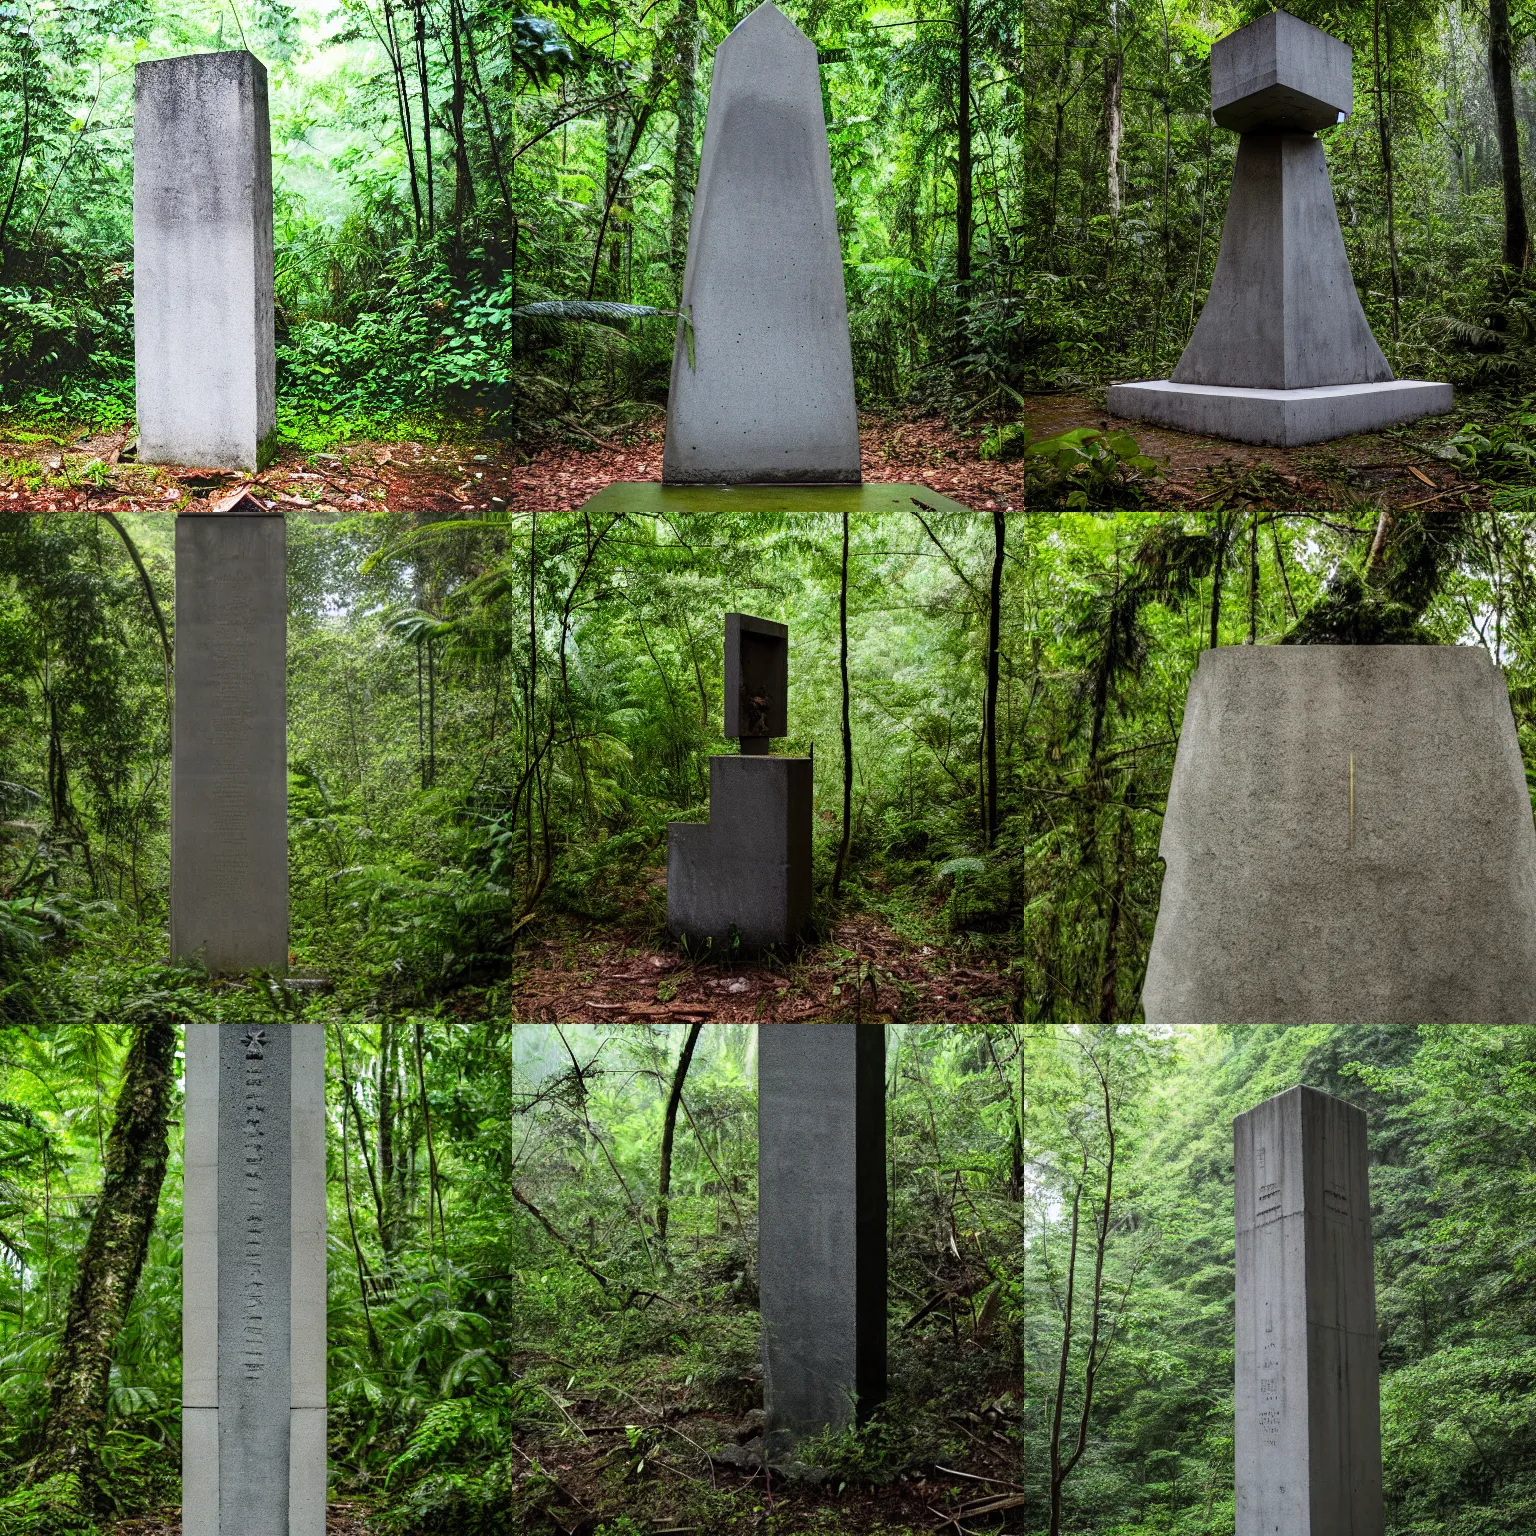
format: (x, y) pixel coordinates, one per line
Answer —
(80, 473)
(862, 972)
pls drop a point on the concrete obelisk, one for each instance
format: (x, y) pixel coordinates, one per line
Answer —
(821, 1225)
(762, 382)
(1308, 1430)
(253, 1277)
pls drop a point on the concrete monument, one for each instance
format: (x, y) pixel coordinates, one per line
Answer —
(202, 261)
(762, 391)
(745, 874)
(1283, 352)
(253, 1277)
(1308, 1413)
(821, 1225)
(1348, 839)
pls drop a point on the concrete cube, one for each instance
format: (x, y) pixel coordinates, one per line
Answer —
(202, 261)
(746, 872)
(1280, 73)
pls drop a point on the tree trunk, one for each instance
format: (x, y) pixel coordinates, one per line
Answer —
(842, 630)
(684, 156)
(426, 112)
(994, 629)
(1114, 92)
(964, 204)
(669, 1131)
(1384, 134)
(113, 1256)
(1501, 48)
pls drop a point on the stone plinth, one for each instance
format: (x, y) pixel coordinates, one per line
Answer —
(202, 255)
(821, 1225)
(1348, 839)
(1282, 418)
(745, 874)
(253, 1279)
(768, 394)
(1282, 353)
(1308, 1416)
(229, 755)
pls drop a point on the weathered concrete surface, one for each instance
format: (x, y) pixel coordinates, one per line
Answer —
(1348, 839)
(1280, 72)
(1283, 418)
(748, 868)
(756, 680)
(229, 754)
(1282, 312)
(253, 1314)
(1308, 1416)
(202, 251)
(821, 1225)
(769, 395)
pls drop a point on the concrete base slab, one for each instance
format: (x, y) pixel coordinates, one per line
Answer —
(1281, 418)
(1348, 839)
(745, 874)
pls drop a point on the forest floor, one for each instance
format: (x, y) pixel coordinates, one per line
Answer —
(50, 470)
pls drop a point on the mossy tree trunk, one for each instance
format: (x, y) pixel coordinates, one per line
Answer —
(136, 1154)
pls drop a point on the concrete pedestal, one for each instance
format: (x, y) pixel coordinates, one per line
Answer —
(1281, 418)
(821, 1225)
(1348, 839)
(1308, 1415)
(768, 393)
(202, 255)
(746, 872)
(254, 1271)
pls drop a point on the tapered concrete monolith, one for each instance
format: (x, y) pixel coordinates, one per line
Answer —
(253, 1254)
(821, 1226)
(767, 394)
(1348, 839)
(202, 261)
(1308, 1413)
(1282, 353)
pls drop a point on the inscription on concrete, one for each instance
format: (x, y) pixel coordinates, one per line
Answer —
(255, 1090)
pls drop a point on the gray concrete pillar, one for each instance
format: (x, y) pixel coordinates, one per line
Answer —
(253, 1257)
(1308, 1431)
(202, 261)
(229, 754)
(821, 1225)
